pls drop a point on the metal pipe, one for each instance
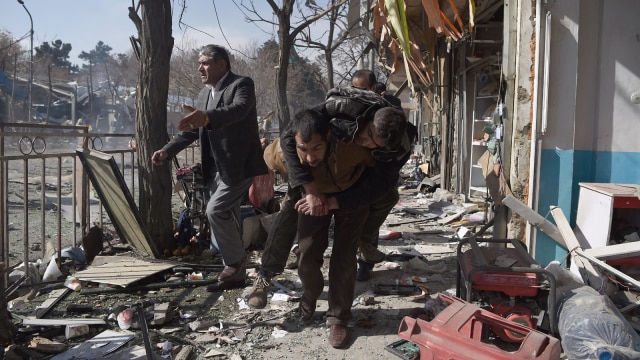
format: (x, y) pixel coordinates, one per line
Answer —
(539, 123)
(59, 193)
(43, 200)
(25, 209)
(30, 58)
(534, 166)
(545, 80)
(4, 211)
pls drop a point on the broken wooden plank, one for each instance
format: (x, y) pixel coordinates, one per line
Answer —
(450, 218)
(593, 277)
(534, 219)
(587, 272)
(617, 251)
(185, 353)
(62, 322)
(45, 345)
(156, 286)
(54, 297)
(108, 182)
(402, 222)
(122, 273)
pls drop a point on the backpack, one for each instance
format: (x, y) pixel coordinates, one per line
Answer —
(348, 107)
(185, 228)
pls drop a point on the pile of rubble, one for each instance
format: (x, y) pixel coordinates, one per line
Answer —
(65, 305)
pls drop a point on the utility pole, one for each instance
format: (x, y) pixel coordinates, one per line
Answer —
(21, 2)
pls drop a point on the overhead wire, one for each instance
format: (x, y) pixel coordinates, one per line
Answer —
(215, 9)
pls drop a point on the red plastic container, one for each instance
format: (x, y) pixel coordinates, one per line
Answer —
(457, 333)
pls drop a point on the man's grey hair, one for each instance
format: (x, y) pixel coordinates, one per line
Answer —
(215, 53)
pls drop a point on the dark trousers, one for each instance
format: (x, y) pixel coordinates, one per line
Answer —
(281, 236)
(313, 239)
(376, 215)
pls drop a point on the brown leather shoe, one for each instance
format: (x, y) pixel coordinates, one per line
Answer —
(222, 285)
(233, 270)
(260, 292)
(307, 309)
(228, 272)
(338, 336)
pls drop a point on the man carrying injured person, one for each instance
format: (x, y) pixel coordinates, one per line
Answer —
(358, 196)
(336, 166)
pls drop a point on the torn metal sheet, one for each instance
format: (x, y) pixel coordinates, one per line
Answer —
(117, 200)
(135, 352)
(98, 347)
(122, 272)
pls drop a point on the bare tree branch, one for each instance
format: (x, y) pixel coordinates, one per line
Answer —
(253, 10)
(313, 19)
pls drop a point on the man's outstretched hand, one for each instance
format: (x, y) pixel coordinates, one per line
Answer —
(193, 120)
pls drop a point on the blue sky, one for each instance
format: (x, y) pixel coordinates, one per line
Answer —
(83, 23)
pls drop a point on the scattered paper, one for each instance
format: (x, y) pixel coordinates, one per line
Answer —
(279, 333)
(242, 305)
(280, 297)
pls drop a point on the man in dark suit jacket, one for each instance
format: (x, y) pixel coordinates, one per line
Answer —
(225, 122)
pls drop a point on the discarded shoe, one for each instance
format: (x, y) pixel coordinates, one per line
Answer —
(338, 336)
(222, 285)
(259, 293)
(364, 270)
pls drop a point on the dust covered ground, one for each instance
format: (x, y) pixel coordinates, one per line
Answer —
(219, 325)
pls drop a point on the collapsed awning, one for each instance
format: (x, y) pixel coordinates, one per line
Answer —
(407, 31)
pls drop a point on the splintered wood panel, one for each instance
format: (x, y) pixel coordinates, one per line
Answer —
(123, 272)
(117, 200)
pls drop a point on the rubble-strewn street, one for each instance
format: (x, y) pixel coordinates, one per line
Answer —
(182, 317)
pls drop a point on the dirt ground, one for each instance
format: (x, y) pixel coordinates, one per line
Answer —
(274, 332)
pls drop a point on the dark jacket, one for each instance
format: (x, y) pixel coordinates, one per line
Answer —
(230, 143)
(393, 100)
(345, 114)
(341, 168)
